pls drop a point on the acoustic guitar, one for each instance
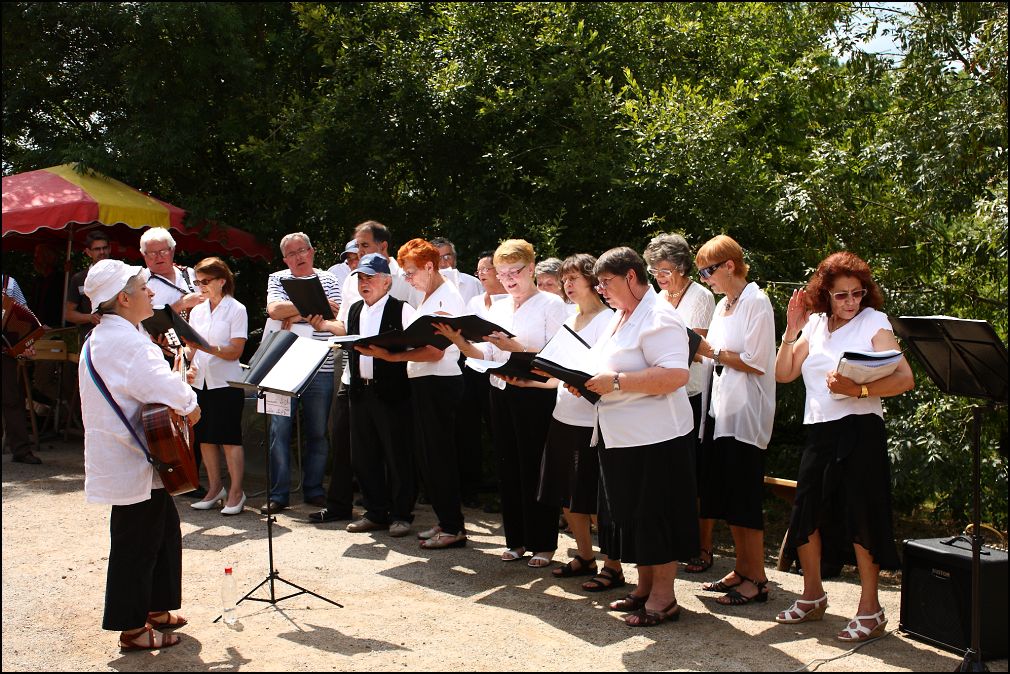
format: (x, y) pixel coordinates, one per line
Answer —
(170, 440)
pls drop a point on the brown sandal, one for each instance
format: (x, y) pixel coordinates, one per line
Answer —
(606, 579)
(128, 642)
(643, 617)
(170, 623)
(629, 603)
(700, 564)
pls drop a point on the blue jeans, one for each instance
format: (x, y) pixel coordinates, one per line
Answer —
(315, 448)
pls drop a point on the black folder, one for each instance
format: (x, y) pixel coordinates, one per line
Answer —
(422, 333)
(308, 296)
(165, 319)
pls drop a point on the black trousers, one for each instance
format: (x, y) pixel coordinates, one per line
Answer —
(520, 420)
(382, 455)
(340, 493)
(145, 562)
(474, 409)
(435, 401)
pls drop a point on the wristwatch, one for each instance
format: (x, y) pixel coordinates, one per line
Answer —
(617, 381)
(716, 354)
(864, 392)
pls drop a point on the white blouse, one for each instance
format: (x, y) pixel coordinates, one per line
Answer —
(654, 336)
(825, 350)
(445, 300)
(533, 324)
(696, 308)
(569, 409)
(477, 307)
(743, 404)
(134, 369)
(219, 326)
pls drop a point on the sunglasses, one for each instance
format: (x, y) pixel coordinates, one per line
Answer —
(706, 272)
(204, 281)
(854, 294)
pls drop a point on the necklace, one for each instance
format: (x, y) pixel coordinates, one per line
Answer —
(673, 296)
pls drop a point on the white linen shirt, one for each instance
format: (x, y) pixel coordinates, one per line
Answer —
(445, 300)
(133, 368)
(218, 327)
(467, 285)
(165, 293)
(569, 409)
(825, 350)
(653, 336)
(533, 325)
(743, 404)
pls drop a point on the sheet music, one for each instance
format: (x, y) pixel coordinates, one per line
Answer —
(482, 366)
(863, 367)
(566, 349)
(296, 366)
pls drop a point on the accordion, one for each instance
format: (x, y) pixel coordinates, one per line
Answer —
(20, 327)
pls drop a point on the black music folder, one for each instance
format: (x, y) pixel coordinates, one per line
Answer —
(165, 319)
(308, 296)
(422, 333)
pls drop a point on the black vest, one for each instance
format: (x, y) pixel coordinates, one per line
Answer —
(389, 379)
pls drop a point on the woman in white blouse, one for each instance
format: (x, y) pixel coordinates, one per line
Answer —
(436, 390)
(223, 322)
(520, 409)
(741, 344)
(670, 261)
(571, 469)
(844, 474)
(644, 437)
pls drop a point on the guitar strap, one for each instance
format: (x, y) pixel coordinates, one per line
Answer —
(107, 394)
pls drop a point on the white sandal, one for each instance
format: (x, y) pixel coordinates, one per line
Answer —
(794, 614)
(861, 632)
(540, 560)
(512, 555)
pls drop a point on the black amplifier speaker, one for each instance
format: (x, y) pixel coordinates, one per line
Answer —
(936, 595)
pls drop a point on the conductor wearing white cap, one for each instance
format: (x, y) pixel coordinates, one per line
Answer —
(121, 367)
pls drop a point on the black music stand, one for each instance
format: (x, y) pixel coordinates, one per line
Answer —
(273, 575)
(965, 358)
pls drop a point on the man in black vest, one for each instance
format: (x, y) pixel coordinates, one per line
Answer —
(381, 444)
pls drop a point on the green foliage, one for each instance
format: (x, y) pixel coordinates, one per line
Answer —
(579, 126)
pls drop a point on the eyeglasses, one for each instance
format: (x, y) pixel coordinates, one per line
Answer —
(299, 252)
(509, 274)
(203, 281)
(854, 294)
(659, 273)
(164, 252)
(602, 283)
(447, 256)
(707, 272)
(570, 278)
(484, 270)
(407, 275)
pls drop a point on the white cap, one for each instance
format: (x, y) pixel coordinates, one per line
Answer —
(106, 279)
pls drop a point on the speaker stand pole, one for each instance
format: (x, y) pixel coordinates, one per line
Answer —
(972, 661)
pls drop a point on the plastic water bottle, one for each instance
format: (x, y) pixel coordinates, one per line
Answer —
(229, 594)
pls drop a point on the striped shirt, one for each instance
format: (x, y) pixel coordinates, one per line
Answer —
(13, 290)
(331, 286)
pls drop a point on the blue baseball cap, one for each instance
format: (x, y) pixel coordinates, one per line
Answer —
(372, 264)
(351, 247)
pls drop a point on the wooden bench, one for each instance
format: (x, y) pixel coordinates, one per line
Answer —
(785, 490)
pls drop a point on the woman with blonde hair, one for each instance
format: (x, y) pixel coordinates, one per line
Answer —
(741, 345)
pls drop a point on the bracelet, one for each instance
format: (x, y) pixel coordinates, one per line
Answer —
(792, 341)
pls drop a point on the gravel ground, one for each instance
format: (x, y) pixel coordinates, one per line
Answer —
(404, 608)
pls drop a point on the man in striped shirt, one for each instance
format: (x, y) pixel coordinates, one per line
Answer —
(298, 255)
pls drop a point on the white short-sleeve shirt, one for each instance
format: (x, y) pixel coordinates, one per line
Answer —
(743, 404)
(825, 348)
(446, 300)
(218, 326)
(696, 308)
(653, 336)
(570, 409)
(533, 324)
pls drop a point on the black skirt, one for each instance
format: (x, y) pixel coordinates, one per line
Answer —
(570, 471)
(733, 484)
(844, 490)
(648, 507)
(220, 416)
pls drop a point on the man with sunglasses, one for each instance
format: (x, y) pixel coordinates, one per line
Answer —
(97, 246)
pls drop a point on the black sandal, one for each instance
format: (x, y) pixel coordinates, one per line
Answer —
(587, 567)
(735, 598)
(720, 586)
(629, 603)
(646, 618)
(699, 564)
(606, 579)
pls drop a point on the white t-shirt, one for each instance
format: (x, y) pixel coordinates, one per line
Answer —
(445, 300)
(533, 324)
(743, 404)
(654, 336)
(825, 350)
(570, 409)
(219, 326)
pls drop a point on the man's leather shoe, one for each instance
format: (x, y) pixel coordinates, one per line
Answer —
(364, 524)
(271, 507)
(327, 515)
(27, 457)
(319, 501)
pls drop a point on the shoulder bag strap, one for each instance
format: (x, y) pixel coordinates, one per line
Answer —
(100, 383)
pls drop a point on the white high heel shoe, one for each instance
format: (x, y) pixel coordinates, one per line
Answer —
(235, 509)
(207, 504)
